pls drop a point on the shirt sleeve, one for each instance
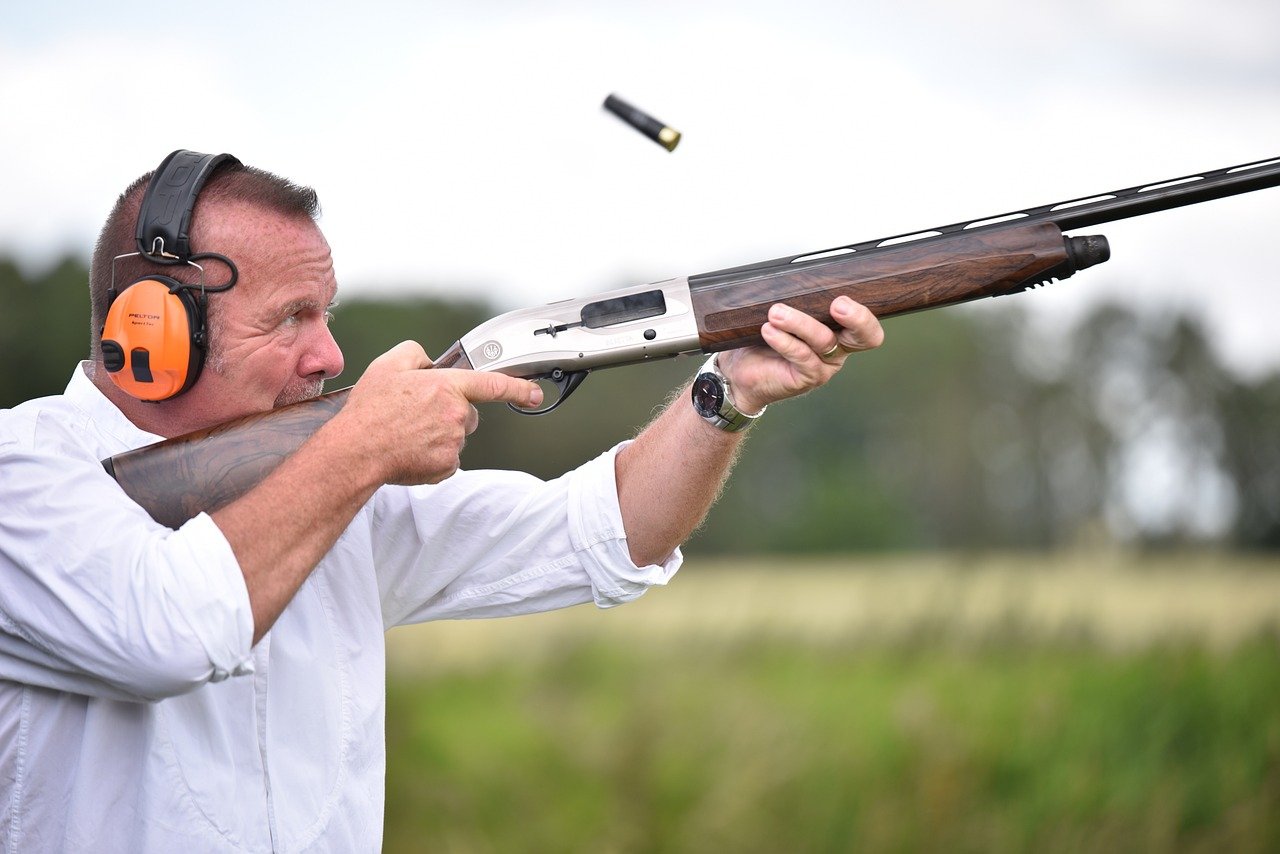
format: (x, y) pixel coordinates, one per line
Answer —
(97, 598)
(497, 543)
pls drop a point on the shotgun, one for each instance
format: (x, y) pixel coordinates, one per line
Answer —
(564, 341)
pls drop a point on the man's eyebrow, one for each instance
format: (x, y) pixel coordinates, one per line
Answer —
(301, 304)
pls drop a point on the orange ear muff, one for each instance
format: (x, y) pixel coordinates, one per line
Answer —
(152, 342)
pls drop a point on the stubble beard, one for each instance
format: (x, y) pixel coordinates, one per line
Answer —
(297, 394)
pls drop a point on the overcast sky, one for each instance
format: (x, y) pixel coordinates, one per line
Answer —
(461, 147)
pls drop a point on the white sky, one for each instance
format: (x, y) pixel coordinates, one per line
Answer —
(461, 146)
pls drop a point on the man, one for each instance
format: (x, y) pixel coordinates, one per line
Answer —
(220, 687)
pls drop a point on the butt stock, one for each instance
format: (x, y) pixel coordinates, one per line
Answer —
(203, 471)
(179, 478)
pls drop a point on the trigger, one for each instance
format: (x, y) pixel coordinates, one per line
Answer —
(566, 382)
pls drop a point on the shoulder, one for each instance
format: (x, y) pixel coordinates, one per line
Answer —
(40, 422)
(80, 422)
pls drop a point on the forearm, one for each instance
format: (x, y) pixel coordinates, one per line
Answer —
(400, 424)
(281, 529)
(669, 477)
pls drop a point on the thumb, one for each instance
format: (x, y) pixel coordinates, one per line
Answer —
(405, 356)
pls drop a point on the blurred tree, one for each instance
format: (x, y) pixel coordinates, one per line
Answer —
(1147, 394)
(1251, 418)
(44, 328)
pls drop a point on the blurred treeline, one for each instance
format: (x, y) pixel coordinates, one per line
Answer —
(973, 428)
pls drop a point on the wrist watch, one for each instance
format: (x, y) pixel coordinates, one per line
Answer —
(712, 399)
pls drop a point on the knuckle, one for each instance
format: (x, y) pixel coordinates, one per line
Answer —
(411, 348)
(443, 461)
(455, 411)
(400, 352)
(494, 385)
(504, 387)
(860, 316)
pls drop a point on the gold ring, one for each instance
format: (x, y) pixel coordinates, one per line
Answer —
(835, 348)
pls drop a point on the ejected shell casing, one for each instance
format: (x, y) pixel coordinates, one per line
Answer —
(665, 136)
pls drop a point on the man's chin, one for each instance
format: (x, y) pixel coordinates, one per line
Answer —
(296, 395)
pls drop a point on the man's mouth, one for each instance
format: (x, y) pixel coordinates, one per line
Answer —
(300, 393)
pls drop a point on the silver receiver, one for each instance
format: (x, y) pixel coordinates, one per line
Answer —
(619, 327)
(563, 341)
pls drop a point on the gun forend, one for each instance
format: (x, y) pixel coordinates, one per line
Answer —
(732, 304)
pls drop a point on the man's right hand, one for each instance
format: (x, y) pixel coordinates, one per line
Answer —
(400, 424)
(411, 423)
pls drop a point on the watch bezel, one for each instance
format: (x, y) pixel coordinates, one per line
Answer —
(708, 394)
(726, 416)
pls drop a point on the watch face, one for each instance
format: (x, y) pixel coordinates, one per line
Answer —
(708, 395)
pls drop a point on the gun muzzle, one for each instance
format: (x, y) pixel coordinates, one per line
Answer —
(1085, 252)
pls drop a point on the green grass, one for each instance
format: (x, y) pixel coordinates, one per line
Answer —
(748, 745)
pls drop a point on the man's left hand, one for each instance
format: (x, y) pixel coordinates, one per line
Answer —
(802, 353)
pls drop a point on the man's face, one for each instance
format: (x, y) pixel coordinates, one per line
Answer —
(270, 343)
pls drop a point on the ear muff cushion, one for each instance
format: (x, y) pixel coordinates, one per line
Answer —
(149, 336)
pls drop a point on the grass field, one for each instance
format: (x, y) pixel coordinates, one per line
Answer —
(934, 704)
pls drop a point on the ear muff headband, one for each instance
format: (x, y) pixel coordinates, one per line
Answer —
(164, 221)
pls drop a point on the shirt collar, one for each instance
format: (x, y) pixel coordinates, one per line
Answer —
(105, 417)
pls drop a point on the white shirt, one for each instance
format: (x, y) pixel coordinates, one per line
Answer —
(134, 713)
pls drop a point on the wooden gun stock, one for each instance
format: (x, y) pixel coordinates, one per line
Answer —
(200, 472)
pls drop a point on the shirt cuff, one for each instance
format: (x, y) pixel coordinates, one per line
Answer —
(225, 629)
(598, 536)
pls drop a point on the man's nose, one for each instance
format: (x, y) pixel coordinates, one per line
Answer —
(324, 357)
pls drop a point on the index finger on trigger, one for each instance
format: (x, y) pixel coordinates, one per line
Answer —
(484, 387)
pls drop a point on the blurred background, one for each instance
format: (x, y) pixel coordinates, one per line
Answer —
(1008, 584)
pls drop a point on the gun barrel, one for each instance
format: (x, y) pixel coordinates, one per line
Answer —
(1073, 213)
(1163, 195)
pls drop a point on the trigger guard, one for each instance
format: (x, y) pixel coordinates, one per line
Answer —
(566, 382)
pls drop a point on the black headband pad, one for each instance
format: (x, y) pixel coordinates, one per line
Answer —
(169, 201)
